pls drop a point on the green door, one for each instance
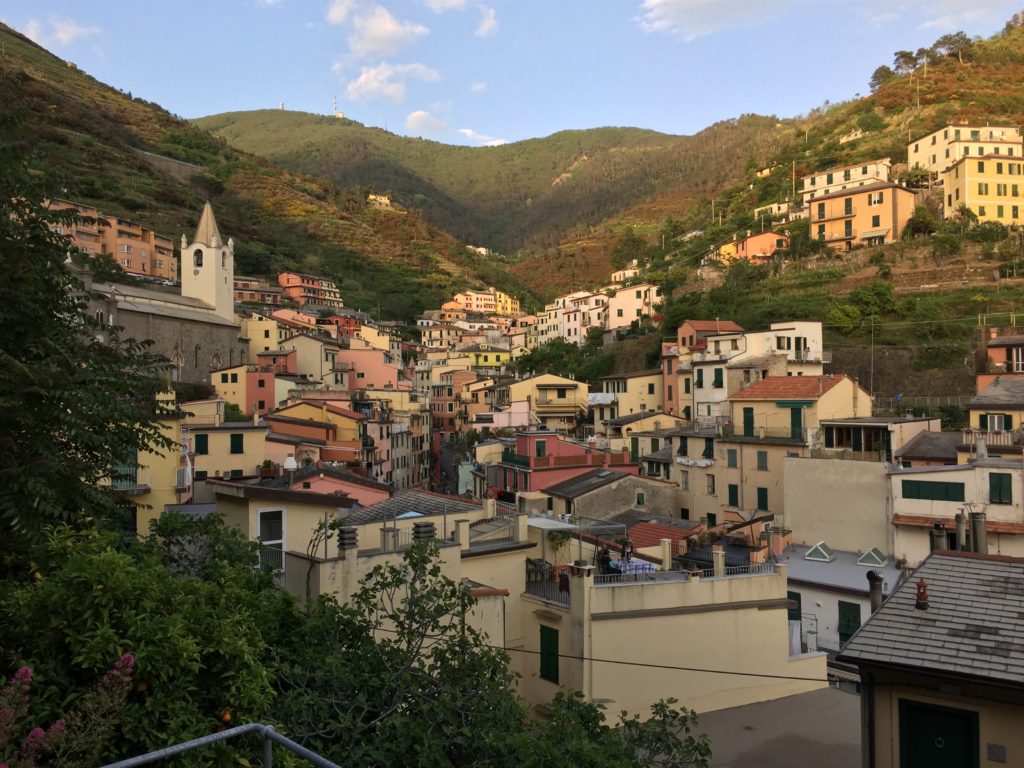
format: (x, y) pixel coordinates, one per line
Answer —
(937, 737)
(634, 448)
(748, 422)
(796, 423)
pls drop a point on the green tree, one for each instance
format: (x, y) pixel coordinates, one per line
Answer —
(954, 45)
(75, 397)
(904, 62)
(921, 223)
(880, 77)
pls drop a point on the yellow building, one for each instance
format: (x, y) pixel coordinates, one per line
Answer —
(636, 392)
(220, 448)
(940, 149)
(262, 332)
(991, 186)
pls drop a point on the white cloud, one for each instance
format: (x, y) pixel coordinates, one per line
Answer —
(377, 33)
(338, 11)
(440, 6)
(940, 15)
(387, 81)
(480, 139)
(690, 19)
(422, 123)
(488, 25)
(269, 3)
(58, 31)
(478, 87)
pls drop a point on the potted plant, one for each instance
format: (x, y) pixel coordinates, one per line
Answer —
(268, 469)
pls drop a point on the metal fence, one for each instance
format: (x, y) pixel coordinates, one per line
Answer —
(548, 590)
(631, 579)
(268, 738)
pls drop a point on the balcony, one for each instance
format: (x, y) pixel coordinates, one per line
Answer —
(846, 213)
(848, 454)
(511, 457)
(762, 433)
(130, 479)
(1009, 439)
(836, 236)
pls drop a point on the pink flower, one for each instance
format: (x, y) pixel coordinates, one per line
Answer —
(23, 678)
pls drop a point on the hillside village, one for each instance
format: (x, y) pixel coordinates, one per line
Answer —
(740, 520)
(654, 503)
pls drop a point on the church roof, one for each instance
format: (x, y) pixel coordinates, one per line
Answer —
(207, 229)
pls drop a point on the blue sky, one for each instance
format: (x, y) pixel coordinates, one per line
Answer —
(478, 72)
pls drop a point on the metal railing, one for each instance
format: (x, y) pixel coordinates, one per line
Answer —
(547, 590)
(128, 477)
(632, 579)
(268, 738)
(511, 457)
(784, 433)
(849, 454)
(1008, 438)
(272, 558)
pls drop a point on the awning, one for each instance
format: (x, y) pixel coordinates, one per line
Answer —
(874, 233)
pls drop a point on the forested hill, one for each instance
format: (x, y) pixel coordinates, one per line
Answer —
(529, 194)
(90, 142)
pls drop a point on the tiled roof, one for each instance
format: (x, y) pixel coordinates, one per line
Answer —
(932, 446)
(403, 502)
(972, 627)
(788, 387)
(650, 534)
(634, 374)
(725, 326)
(1004, 391)
(585, 483)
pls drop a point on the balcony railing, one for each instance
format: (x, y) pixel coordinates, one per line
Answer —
(129, 478)
(848, 454)
(548, 590)
(511, 457)
(271, 558)
(784, 433)
(1010, 438)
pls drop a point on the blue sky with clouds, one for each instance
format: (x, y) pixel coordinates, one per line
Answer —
(489, 71)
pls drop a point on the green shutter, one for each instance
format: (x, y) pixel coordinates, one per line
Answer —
(748, 422)
(734, 495)
(634, 448)
(731, 457)
(699, 378)
(999, 488)
(762, 460)
(655, 444)
(849, 620)
(718, 377)
(762, 499)
(202, 443)
(983, 421)
(684, 445)
(238, 443)
(793, 612)
(1007, 421)
(549, 654)
(709, 448)
(933, 491)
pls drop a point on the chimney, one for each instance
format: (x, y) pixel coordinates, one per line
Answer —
(938, 537)
(979, 536)
(921, 600)
(875, 580)
(961, 532)
(423, 532)
(718, 559)
(980, 449)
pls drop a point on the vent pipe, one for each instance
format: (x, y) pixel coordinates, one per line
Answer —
(979, 536)
(961, 532)
(875, 580)
(938, 537)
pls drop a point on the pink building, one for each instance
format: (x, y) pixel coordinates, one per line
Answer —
(310, 289)
(633, 303)
(541, 459)
(372, 369)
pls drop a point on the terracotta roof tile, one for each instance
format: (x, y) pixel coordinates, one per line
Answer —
(727, 326)
(650, 534)
(788, 387)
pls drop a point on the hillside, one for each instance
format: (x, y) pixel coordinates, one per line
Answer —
(526, 195)
(90, 143)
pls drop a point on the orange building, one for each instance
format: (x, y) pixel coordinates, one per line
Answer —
(871, 215)
(762, 247)
(310, 289)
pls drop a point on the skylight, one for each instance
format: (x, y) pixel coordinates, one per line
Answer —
(872, 557)
(821, 553)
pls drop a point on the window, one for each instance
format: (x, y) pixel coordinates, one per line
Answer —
(560, 393)
(999, 488)
(711, 485)
(684, 445)
(730, 457)
(684, 483)
(684, 513)
(876, 221)
(197, 259)
(618, 313)
(540, 448)
(202, 445)
(668, 395)
(933, 491)
(655, 444)
(699, 378)
(712, 519)
(262, 404)
(640, 499)
(719, 376)
(261, 383)
(709, 447)
(686, 386)
(238, 443)
(734, 495)
(549, 654)
(271, 536)
(821, 210)
(234, 378)
(650, 389)
(848, 206)
(266, 334)
(199, 475)
(982, 189)
(762, 461)
(981, 166)
(223, 378)
(762, 499)
(849, 620)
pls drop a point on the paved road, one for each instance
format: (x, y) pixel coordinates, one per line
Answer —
(820, 729)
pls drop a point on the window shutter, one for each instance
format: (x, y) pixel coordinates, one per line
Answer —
(983, 421)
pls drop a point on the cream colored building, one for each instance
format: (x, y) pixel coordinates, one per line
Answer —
(634, 393)
(559, 404)
(939, 150)
(263, 333)
(614, 639)
(843, 178)
(208, 267)
(632, 303)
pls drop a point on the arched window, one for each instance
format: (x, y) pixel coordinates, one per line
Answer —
(223, 259)
(197, 258)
